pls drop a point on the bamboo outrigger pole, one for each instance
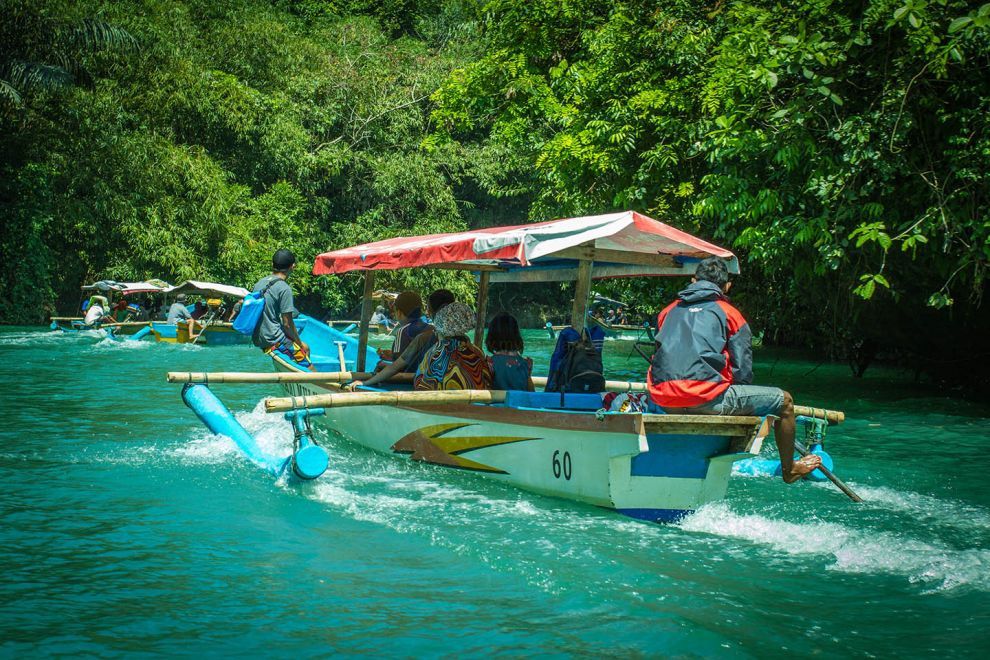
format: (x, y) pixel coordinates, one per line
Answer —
(344, 399)
(341, 377)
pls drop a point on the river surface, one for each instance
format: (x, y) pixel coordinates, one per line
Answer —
(128, 528)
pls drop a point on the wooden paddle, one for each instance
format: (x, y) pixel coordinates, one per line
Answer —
(828, 473)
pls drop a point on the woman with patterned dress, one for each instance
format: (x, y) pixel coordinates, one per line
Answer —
(454, 363)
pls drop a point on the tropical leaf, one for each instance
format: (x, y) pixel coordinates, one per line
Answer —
(95, 35)
(9, 93)
(30, 76)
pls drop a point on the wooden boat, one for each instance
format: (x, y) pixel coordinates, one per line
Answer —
(212, 329)
(124, 328)
(649, 466)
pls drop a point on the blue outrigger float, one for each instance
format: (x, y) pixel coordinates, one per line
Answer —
(654, 467)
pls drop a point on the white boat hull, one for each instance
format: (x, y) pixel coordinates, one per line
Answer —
(616, 461)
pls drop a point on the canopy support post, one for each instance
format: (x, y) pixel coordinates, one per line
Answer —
(582, 288)
(366, 303)
(479, 325)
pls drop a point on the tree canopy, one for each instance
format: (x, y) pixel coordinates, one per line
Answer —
(840, 148)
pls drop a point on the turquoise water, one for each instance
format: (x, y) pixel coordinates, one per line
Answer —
(126, 527)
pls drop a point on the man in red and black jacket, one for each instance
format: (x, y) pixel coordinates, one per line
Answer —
(704, 364)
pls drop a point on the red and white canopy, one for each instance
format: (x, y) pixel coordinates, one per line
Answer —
(128, 288)
(196, 287)
(622, 244)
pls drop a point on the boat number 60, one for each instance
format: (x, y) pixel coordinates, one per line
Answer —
(562, 465)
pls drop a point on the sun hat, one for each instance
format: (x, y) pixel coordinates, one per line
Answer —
(454, 320)
(408, 302)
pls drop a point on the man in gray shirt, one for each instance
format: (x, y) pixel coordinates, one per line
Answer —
(276, 330)
(178, 312)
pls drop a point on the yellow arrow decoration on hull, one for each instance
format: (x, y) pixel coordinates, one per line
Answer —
(431, 444)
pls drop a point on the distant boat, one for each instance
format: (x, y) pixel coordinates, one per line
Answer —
(212, 329)
(108, 328)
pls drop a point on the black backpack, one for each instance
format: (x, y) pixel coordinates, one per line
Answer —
(581, 369)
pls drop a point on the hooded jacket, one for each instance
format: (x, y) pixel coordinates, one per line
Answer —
(704, 345)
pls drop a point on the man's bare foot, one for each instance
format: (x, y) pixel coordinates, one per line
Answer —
(806, 465)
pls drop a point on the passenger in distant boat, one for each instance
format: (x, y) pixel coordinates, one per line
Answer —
(234, 311)
(276, 330)
(454, 363)
(611, 316)
(199, 309)
(413, 354)
(510, 370)
(119, 309)
(566, 337)
(409, 307)
(96, 311)
(620, 316)
(178, 312)
(704, 364)
(381, 317)
(136, 312)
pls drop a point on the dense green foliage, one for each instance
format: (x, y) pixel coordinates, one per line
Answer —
(840, 148)
(227, 130)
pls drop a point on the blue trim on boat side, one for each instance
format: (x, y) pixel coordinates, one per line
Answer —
(682, 456)
(656, 515)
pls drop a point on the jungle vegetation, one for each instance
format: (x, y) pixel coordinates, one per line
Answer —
(840, 148)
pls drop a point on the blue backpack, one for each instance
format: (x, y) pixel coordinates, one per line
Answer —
(251, 307)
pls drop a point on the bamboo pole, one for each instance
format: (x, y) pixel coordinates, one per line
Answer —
(479, 325)
(344, 399)
(366, 303)
(610, 385)
(832, 416)
(275, 377)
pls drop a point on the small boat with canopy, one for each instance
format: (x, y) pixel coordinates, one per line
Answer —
(650, 466)
(131, 322)
(213, 327)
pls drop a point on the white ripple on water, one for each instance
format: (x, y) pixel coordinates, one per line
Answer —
(946, 512)
(937, 566)
(110, 344)
(272, 433)
(52, 337)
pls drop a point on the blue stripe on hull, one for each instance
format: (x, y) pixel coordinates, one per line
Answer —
(680, 456)
(656, 515)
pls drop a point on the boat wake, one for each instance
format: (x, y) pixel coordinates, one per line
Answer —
(933, 565)
(474, 518)
(109, 344)
(51, 337)
(271, 432)
(932, 510)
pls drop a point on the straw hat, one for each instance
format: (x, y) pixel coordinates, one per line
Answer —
(455, 319)
(407, 302)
